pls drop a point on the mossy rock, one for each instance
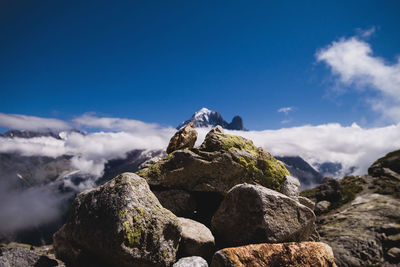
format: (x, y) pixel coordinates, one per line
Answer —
(220, 163)
(120, 223)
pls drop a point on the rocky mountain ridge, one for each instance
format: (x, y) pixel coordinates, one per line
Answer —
(210, 118)
(359, 216)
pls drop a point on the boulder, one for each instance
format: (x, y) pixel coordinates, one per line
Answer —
(120, 223)
(330, 189)
(290, 187)
(322, 207)
(394, 254)
(180, 202)
(355, 233)
(221, 162)
(255, 214)
(184, 138)
(194, 261)
(305, 254)
(197, 239)
(23, 257)
(388, 165)
(306, 202)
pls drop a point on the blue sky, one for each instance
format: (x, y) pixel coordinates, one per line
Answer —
(159, 61)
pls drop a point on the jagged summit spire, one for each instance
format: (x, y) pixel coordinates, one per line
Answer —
(210, 118)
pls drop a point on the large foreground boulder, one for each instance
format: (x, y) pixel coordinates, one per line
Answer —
(220, 163)
(120, 223)
(254, 214)
(305, 254)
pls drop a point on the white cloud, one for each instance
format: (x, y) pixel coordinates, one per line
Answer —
(285, 110)
(352, 61)
(31, 123)
(348, 145)
(114, 124)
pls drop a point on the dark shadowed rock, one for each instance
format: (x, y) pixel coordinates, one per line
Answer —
(194, 261)
(197, 239)
(388, 165)
(184, 138)
(255, 214)
(180, 202)
(305, 254)
(330, 190)
(23, 257)
(120, 223)
(220, 163)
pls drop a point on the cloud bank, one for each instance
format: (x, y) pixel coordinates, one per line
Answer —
(31, 123)
(353, 63)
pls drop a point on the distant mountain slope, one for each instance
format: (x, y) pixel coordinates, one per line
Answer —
(206, 118)
(299, 168)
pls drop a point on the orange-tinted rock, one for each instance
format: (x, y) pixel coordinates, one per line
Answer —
(184, 138)
(305, 254)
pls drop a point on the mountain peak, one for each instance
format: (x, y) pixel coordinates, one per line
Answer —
(206, 118)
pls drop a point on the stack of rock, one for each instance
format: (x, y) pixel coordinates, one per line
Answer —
(241, 208)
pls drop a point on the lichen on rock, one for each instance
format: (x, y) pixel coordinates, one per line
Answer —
(120, 222)
(221, 162)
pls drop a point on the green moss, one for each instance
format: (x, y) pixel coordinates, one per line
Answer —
(265, 170)
(309, 193)
(152, 171)
(122, 213)
(133, 235)
(165, 254)
(351, 185)
(233, 142)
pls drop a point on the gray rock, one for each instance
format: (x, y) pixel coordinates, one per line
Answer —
(306, 202)
(394, 254)
(120, 223)
(194, 261)
(290, 187)
(197, 239)
(23, 257)
(322, 207)
(184, 138)
(180, 202)
(254, 214)
(352, 233)
(220, 163)
(330, 189)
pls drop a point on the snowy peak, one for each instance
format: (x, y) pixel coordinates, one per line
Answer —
(206, 118)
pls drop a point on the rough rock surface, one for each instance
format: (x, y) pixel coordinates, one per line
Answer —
(197, 239)
(363, 226)
(24, 257)
(306, 254)
(290, 187)
(120, 223)
(180, 202)
(194, 261)
(254, 214)
(184, 138)
(220, 163)
(306, 202)
(329, 190)
(322, 207)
